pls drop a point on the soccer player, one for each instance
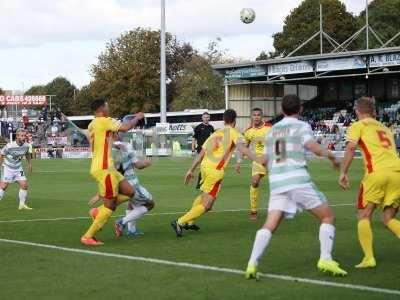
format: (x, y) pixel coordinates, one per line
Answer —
(291, 187)
(255, 135)
(142, 202)
(11, 167)
(113, 187)
(214, 157)
(201, 134)
(380, 185)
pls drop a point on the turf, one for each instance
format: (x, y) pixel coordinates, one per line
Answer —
(61, 188)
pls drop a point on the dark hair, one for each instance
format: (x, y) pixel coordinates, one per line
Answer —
(229, 116)
(206, 113)
(257, 109)
(291, 105)
(96, 104)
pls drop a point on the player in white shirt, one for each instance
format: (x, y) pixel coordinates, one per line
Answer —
(11, 166)
(291, 187)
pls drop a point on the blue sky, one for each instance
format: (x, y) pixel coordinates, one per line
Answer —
(43, 39)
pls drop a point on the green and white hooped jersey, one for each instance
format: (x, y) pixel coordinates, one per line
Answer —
(286, 153)
(13, 155)
(124, 156)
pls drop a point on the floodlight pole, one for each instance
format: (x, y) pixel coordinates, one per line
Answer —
(163, 87)
(321, 31)
(367, 23)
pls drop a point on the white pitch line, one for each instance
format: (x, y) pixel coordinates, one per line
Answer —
(151, 214)
(207, 268)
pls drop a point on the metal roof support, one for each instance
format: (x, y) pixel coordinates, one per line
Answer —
(391, 40)
(347, 42)
(376, 36)
(303, 44)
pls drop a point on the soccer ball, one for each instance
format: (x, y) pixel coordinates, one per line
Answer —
(247, 15)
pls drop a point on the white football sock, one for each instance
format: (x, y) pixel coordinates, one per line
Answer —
(131, 225)
(261, 242)
(22, 196)
(135, 214)
(326, 239)
(1, 194)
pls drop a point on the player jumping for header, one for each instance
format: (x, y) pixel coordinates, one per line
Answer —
(291, 187)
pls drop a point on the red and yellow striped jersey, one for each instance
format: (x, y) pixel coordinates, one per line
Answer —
(100, 130)
(376, 143)
(219, 147)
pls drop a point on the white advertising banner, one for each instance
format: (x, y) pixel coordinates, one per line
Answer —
(290, 68)
(346, 63)
(385, 60)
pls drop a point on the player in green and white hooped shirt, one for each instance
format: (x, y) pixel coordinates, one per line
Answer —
(11, 166)
(142, 202)
(291, 187)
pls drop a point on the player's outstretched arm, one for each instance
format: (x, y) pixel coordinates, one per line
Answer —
(347, 160)
(189, 174)
(131, 123)
(318, 150)
(239, 159)
(244, 150)
(142, 164)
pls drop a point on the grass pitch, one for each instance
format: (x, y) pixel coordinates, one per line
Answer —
(60, 190)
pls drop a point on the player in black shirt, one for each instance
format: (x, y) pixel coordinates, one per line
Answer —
(201, 134)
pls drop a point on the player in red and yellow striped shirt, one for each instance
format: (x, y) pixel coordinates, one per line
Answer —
(214, 157)
(380, 185)
(113, 188)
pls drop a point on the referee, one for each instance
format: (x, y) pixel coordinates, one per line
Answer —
(201, 134)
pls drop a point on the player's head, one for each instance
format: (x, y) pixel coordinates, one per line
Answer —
(365, 107)
(205, 117)
(291, 105)
(230, 117)
(100, 107)
(20, 136)
(257, 116)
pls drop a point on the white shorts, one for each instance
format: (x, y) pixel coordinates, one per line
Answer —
(296, 200)
(12, 175)
(142, 196)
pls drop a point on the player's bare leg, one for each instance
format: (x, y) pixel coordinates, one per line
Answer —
(327, 238)
(254, 191)
(262, 240)
(390, 221)
(22, 195)
(365, 236)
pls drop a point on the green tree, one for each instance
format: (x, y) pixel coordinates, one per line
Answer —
(63, 92)
(303, 22)
(37, 90)
(266, 55)
(199, 87)
(82, 102)
(384, 19)
(127, 73)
